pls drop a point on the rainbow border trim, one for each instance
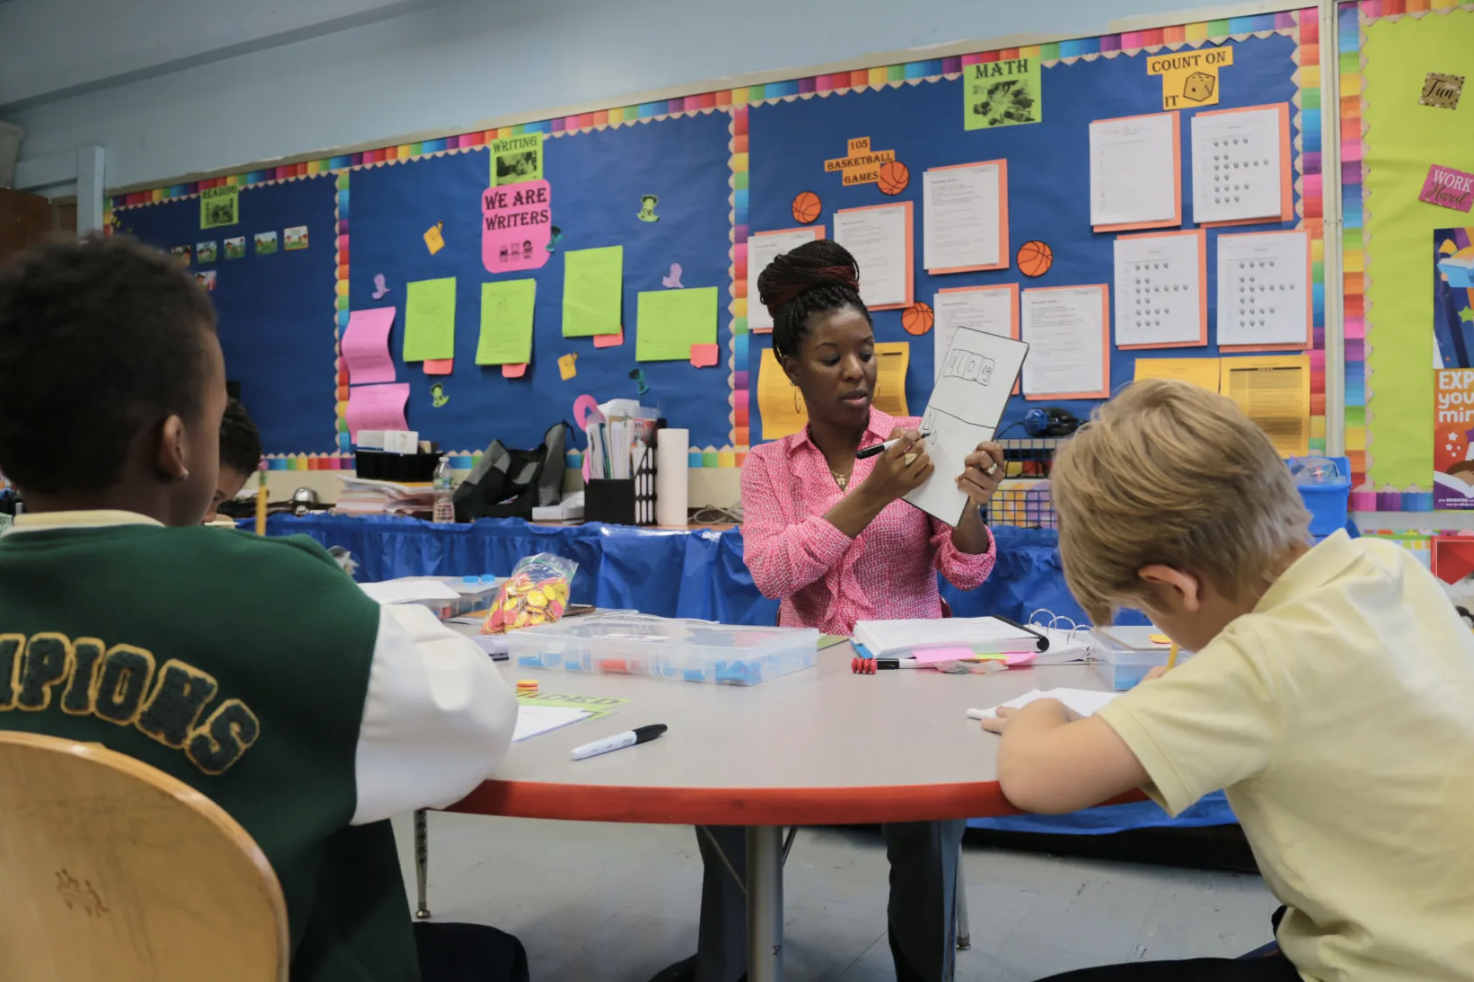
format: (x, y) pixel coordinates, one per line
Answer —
(735, 102)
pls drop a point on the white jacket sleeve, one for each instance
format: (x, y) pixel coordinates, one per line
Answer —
(438, 718)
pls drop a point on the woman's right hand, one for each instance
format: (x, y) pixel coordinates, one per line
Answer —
(900, 470)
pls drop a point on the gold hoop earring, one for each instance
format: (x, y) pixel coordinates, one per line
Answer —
(797, 399)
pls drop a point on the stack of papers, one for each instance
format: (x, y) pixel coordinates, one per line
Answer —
(1086, 702)
(408, 591)
(362, 496)
(981, 634)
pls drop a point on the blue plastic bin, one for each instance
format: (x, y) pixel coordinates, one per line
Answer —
(1328, 502)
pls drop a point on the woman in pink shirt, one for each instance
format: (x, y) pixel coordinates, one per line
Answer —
(829, 536)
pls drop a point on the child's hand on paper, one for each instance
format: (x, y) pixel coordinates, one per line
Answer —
(1052, 707)
(901, 469)
(983, 473)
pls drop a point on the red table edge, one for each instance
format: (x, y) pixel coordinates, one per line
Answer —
(758, 806)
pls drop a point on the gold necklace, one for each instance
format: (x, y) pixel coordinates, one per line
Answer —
(842, 480)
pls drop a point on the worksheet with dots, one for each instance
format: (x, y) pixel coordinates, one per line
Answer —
(1161, 289)
(1238, 165)
(1264, 288)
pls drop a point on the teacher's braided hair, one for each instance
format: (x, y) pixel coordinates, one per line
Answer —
(817, 276)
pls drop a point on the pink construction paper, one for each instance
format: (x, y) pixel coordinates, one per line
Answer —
(515, 233)
(440, 366)
(1448, 188)
(609, 340)
(365, 346)
(704, 355)
(931, 656)
(377, 407)
(514, 371)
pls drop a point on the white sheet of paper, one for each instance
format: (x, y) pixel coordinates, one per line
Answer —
(762, 248)
(1086, 702)
(966, 404)
(1237, 166)
(408, 591)
(962, 216)
(1063, 330)
(982, 310)
(1132, 164)
(978, 633)
(535, 720)
(1159, 290)
(876, 237)
(1262, 288)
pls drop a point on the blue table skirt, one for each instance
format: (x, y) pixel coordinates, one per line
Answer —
(700, 574)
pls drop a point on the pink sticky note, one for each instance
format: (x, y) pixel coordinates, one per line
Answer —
(514, 226)
(514, 371)
(931, 656)
(704, 355)
(609, 340)
(365, 346)
(1448, 188)
(440, 366)
(377, 407)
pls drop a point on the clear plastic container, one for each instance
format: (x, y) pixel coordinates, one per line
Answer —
(1122, 656)
(680, 650)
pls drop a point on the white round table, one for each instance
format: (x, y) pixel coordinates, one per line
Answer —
(819, 747)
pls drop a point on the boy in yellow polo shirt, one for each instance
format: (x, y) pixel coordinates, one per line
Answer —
(1331, 697)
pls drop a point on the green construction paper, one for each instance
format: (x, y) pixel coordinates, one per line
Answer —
(1402, 139)
(593, 291)
(596, 706)
(670, 321)
(515, 159)
(1002, 93)
(430, 320)
(220, 206)
(506, 322)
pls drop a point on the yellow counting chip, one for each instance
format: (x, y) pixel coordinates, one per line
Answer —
(1159, 639)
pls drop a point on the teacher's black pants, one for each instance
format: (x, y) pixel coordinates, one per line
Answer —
(921, 915)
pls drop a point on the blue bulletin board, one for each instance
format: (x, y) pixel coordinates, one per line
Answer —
(1048, 179)
(723, 165)
(277, 311)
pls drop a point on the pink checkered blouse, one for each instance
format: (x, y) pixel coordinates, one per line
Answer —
(825, 578)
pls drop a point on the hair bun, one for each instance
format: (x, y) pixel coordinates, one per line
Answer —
(820, 263)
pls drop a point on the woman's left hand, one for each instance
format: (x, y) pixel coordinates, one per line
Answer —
(983, 473)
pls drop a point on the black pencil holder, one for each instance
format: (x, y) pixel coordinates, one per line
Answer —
(626, 501)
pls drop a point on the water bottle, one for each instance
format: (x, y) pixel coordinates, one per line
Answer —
(445, 509)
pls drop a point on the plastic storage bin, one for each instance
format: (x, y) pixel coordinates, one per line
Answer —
(1122, 656)
(682, 650)
(1328, 502)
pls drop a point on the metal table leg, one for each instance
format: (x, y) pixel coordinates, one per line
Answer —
(422, 864)
(765, 903)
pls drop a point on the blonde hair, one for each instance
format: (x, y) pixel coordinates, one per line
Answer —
(1170, 473)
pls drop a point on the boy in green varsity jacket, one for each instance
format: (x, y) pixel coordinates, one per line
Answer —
(250, 668)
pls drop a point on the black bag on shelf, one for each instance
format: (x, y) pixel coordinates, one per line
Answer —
(510, 483)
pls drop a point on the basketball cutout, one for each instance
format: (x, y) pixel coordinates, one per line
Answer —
(806, 207)
(893, 177)
(1035, 258)
(917, 318)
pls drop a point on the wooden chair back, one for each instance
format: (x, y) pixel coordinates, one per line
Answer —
(112, 870)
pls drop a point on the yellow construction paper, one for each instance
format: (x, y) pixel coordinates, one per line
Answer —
(1273, 391)
(783, 408)
(1199, 371)
(506, 322)
(430, 320)
(778, 400)
(671, 321)
(566, 367)
(894, 358)
(1402, 139)
(1190, 77)
(593, 291)
(434, 241)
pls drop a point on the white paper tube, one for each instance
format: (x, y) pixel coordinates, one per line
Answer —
(671, 490)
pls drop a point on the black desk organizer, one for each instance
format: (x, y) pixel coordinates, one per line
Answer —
(627, 501)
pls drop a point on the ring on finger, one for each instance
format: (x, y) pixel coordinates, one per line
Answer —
(910, 458)
(992, 469)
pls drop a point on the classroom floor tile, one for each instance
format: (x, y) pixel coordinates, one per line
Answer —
(616, 903)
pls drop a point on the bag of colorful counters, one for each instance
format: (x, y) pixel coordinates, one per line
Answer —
(536, 593)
